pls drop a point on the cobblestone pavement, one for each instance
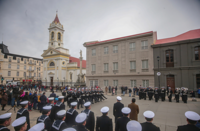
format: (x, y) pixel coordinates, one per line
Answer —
(168, 115)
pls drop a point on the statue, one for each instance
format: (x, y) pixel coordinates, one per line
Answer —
(80, 53)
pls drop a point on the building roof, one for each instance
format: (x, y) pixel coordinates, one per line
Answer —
(192, 34)
(4, 48)
(76, 60)
(97, 42)
(56, 20)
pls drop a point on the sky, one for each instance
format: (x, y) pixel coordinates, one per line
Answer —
(24, 23)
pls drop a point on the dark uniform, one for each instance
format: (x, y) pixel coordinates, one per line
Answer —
(58, 125)
(3, 128)
(104, 123)
(58, 106)
(188, 127)
(52, 114)
(24, 112)
(150, 93)
(70, 117)
(81, 128)
(121, 123)
(148, 126)
(163, 94)
(156, 95)
(170, 95)
(90, 119)
(184, 95)
(177, 92)
(117, 110)
(46, 120)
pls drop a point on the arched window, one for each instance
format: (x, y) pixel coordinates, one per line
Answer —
(70, 76)
(169, 58)
(52, 64)
(197, 52)
(59, 36)
(52, 35)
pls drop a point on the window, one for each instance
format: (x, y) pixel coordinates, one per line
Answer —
(9, 73)
(34, 68)
(52, 35)
(93, 67)
(71, 76)
(133, 83)
(39, 68)
(30, 75)
(144, 44)
(9, 59)
(169, 58)
(58, 44)
(30, 62)
(39, 64)
(30, 68)
(105, 66)
(9, 65)
(18, 60)
(24, 74)
(17, 73)
(115, 66)
(144, 64)
(51, 43)
(39, 74)
(24, 67)
(96, 82)
(105, 50)
(17, 66)
(59, 36)
(132, 46)
(197, 53)
(93, 52)
(91, 83)
(198, 80)
(25, 61)
(35, 62)
(132, 65)
(52, 64)
(105, 82)
(115, 49)
(145, 83)
(115, 82)
(34, 74)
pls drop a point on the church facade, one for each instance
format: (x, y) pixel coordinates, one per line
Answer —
(59, 68)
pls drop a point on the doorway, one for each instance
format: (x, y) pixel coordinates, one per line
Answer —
(171, 82)
(198, 80)
(51, 81)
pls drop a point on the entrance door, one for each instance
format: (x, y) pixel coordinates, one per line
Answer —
(198, 80)
(51, 81)
(171, 82)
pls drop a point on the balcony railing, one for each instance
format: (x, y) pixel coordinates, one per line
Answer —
(30, 70)
(30, 77)
(30, 63)
(170, 64)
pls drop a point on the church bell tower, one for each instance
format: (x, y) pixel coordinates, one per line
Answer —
(56, 33)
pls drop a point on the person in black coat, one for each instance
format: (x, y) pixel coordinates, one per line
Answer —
(59, 105)
(90, 116)
(104, 123)
(71, 115)
(52, 114)
(192, 118)
(43, 100)
(117, 108)
(59, 124)
(148, 125)
(24, 112)
(53, 95)
(81, 122)
(44, 118)
(5, 120)
(122, 121)
(169, 94)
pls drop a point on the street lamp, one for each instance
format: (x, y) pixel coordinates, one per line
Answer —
(46, 81)
(64, 80)
(158, 58)
(57, 81)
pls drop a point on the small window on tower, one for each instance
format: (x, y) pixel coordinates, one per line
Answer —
(58, 44)
(52, 35)
(59, 36)
(51, 43)
(51, 52)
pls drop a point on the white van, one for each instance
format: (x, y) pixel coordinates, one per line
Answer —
(11, 83)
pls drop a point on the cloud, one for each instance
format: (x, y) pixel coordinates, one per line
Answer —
(24, 24)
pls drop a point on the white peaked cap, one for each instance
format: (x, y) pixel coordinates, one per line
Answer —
(61, 113)
(20, 121)
(73, 103)
(24, 103)
(119, 98)
(47, 107)
(37, 127)
(87, 104)
(192, 115)
(81, 117)
(61, 97)
(5, 116)
(69, 129)
(126, 110)
(133, 126)
(51, 98)
(104, 109)
(149, 114)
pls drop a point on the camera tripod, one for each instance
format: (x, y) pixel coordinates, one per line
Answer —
(12, 108)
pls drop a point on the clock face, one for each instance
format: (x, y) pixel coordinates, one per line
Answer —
(63, 63)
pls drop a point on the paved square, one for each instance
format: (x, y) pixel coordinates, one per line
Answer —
(168, 115)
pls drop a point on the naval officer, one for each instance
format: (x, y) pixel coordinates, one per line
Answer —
(5, 121)
(20, 124)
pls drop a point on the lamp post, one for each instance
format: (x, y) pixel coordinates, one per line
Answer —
(64, 81)
(58, 81)
(46, 81)
(158, 58)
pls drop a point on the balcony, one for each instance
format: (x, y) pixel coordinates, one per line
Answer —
(30, 77)
(145, 70)
(93, 72)
(30, 70)
(30, 63)
(170, 64)
(132, 70)
(115, 71)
